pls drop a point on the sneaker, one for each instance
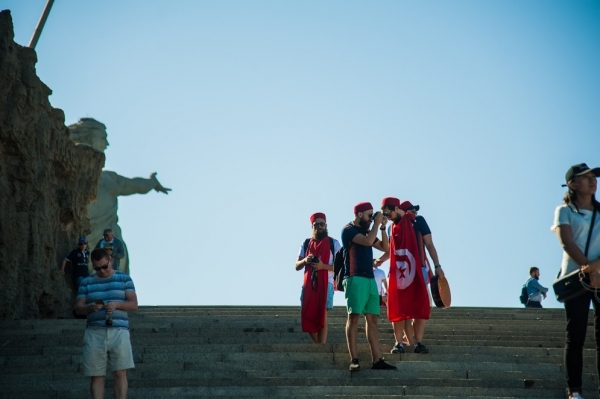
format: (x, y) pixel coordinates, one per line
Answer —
(354, 366)
(420, 348)
(575, 395)
(382, 365)
(398, 348)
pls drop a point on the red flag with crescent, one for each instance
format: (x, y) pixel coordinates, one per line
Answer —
(407, 295)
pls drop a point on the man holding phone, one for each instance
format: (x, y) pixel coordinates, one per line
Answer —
(106, 297)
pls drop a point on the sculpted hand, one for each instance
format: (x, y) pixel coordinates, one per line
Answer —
(159, 188)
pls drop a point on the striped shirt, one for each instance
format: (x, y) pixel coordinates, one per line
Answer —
(110, 289)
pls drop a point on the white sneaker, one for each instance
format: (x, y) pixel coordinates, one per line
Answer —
(575, 395)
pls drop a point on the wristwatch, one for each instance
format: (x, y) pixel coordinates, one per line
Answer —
(438, 266)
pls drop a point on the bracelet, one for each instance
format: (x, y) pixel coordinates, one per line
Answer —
(438, 266)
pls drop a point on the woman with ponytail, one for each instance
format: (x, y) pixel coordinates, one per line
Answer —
(577, 225)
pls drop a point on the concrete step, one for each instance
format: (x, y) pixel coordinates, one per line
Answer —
(250, 352)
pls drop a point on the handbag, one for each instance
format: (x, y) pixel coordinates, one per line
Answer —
(576, 283)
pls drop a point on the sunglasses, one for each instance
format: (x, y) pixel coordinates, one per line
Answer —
(101, 267)
(82, 243)
(319, 224)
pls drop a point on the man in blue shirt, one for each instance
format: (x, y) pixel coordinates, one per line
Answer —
(535, 290)
(106, 297)
(360, 289)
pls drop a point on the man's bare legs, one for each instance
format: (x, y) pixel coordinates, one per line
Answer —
(120, 384)
(352, 334)
(419, 328)
(97, 387)
(321, 336)
(398, 330)
(373, 335)
(409, 332)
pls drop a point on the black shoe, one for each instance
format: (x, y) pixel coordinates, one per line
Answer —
(382, 365)
(398, 348)
(354, 366)
(420, 348)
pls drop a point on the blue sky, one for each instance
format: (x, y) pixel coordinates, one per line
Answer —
(259, 113)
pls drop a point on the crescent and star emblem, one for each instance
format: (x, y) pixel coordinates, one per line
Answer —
(405, 268)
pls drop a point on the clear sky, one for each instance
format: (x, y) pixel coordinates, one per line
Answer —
(259, 113)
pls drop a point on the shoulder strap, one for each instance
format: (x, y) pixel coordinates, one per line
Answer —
(332, 245)
(305, 246)
(587, 244)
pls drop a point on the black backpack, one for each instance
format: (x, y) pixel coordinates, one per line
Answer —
(524, 297)
(338, 264)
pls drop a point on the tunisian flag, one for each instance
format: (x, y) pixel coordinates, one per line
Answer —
(407, 295)
(314, 290)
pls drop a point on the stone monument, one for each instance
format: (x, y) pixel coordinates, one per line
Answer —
(103, 211)
(46, 184)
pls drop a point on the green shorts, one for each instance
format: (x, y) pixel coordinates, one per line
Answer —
(361, 295)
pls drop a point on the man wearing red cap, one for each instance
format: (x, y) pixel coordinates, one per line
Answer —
(360, 289)
(316, 258)
(418, 307)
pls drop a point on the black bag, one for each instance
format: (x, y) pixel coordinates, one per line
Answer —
(339, 262)
(573, 285)
(524, 297)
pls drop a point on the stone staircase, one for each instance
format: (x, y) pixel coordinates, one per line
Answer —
(260, 352)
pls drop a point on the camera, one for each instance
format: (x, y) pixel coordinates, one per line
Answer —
(375, 215)
(313, 259)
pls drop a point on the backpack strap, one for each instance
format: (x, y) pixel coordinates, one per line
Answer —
(332, 245)
(305, 246)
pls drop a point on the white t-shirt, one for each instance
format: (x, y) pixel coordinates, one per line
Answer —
(379, 277)
(580, 226)
(336, 247)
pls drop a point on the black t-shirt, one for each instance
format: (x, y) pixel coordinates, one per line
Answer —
(79, 262)
(359, 261)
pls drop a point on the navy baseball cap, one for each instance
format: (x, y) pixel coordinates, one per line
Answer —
(578, 170)
(82, 240)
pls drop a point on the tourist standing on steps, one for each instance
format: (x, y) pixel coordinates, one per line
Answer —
(105, 298)
(535, 291)
(577, 225)
(78, 258)
(360, 289)
(316, 258)
(117, 247)
(408, 304)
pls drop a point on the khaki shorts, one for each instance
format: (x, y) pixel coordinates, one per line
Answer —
(104, 347)
(362, 296)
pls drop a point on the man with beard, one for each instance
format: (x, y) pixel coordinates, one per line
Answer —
(316, 258)
(362, 296)
(412, 313)
(535, 290)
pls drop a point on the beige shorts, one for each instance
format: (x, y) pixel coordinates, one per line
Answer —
(104, 347)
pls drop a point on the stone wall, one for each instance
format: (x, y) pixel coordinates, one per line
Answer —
(46, 184)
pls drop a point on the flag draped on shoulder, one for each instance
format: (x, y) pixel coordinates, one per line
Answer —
(314, 290)
(407, 295)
